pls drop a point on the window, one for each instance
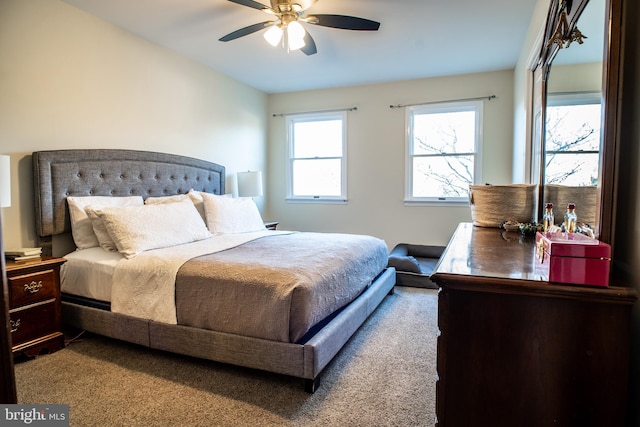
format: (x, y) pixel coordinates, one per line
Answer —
(443, 151)
(316, 170)
(572, 141)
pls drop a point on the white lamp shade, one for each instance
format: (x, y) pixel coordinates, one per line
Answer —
(295, 35)
(5, 181)
(273, 35)
(250, 184)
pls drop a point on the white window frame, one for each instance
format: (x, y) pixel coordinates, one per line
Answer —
(291, 120)
(473, 105)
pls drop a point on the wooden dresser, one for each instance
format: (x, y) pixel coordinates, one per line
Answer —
(34, 306)
(516, 351)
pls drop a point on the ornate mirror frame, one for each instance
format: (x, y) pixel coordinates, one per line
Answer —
(563, 15)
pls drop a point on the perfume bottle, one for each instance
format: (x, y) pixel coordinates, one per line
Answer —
(570, 218)
(547, 218)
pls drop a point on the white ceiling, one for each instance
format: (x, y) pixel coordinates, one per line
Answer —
(417, 39)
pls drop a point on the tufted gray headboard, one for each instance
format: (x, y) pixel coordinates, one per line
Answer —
(104, 172)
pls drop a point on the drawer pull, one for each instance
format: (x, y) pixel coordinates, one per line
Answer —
(15, 325)
(33, 287)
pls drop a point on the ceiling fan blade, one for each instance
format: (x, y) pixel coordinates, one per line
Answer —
(251, 3)
(309, 47)
(344, 22)
(245, 31)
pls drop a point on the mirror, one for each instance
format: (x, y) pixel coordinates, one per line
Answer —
(570, 165)
(605, 17)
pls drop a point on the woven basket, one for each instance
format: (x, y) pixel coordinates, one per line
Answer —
(493, 204)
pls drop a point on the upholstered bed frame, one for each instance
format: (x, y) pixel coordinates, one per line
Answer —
(105, 172)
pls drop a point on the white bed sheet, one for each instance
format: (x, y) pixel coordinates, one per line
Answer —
(89, 273)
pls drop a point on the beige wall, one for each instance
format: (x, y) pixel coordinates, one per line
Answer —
(376, 150)
(523, 81)
(69, 80)
(575, 78)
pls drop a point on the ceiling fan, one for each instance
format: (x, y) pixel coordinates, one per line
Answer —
(287, 28)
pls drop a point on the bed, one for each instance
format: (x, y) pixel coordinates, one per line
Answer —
(301, 350)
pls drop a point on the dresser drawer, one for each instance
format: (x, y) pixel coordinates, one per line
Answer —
(34, 321)
(29, 288)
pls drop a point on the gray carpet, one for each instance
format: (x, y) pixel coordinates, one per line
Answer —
(384, 376)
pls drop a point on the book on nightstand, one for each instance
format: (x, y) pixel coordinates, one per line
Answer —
(23, 254)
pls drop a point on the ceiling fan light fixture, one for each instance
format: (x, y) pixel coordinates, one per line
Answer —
(295, 35)
(287, 31)
(273, 35)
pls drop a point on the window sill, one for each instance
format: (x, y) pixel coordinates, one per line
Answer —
(459, 203)
(318, 201)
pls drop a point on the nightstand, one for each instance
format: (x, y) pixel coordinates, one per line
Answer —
(271, 225)
(34, 306)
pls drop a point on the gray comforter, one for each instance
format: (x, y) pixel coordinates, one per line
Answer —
(277, 287)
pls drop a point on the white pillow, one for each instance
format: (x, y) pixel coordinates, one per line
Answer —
(81, 226)
(141, 228)
(192, 195)
(196, 196)
(226, 215)
(104, 240)
(166, 199)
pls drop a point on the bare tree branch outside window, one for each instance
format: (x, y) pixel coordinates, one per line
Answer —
(454, 182)
(572, 144)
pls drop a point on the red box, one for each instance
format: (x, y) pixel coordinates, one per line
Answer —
(572, 258)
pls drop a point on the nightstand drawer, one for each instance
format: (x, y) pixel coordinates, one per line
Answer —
(30, 288)
(34, 297)
(33, 321)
